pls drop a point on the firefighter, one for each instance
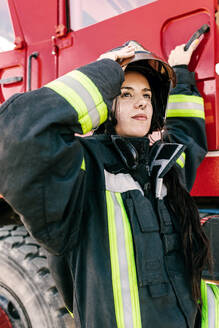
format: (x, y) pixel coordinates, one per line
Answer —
(114, 212)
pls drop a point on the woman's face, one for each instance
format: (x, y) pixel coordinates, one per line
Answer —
(134, 111)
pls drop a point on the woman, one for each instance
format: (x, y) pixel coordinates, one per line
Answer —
(126, 244)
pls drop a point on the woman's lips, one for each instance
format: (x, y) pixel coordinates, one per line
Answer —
(140, 117)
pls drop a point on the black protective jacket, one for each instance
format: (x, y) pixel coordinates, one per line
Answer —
(115, 245)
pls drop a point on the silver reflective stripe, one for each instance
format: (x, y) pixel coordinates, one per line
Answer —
(85, 95)
(211, 307)
(160, 191)
(159, 186)
(185, 105)
(123, 264)
(121, 182)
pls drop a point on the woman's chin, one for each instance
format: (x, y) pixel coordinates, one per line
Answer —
(135, 131)
(136, 134)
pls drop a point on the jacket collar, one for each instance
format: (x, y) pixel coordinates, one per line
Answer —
(160, 157)
(163, 158)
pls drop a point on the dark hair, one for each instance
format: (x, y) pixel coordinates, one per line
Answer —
(196, 246)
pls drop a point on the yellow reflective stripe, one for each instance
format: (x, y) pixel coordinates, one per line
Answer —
(215, 290)
(204, 305)
(75, 101)
(181, 160)
(185, 106)
(185, 113)
(186, 98)
(93, 91)
(117, 293)
(136, 314)
(71, 314)
(83, 166)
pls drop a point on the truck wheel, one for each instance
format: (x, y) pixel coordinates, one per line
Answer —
(28, 297)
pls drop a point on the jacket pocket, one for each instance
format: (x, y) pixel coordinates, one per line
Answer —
(145, 213)
(148, 246)
(182, 289)
(151, 274)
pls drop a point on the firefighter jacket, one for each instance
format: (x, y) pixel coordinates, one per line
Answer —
(116, 253)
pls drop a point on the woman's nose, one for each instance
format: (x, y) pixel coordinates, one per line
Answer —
(140, 103)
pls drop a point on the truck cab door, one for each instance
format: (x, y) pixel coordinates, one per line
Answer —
(12, 52)
(28, 59)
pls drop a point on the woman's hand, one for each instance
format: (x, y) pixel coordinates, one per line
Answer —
(155, 136)
(119, 55)
(179, 56)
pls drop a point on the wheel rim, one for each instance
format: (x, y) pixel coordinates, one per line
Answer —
(12, 310)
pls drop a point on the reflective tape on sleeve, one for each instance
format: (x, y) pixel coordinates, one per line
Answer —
(95, 94)
(185, 106)
(75, 101)
(82, 94)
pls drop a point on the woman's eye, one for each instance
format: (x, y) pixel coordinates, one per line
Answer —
(126, 94)
(147, 95)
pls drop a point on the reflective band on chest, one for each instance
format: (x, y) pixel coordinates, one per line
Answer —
(124, 280)
(121, 182)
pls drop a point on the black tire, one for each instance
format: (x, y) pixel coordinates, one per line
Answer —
(28, 295)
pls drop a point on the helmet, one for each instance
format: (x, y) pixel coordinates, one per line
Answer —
(148, 58)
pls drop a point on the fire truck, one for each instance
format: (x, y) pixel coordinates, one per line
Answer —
(42, 40)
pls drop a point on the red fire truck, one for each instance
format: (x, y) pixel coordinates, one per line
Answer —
(42, 40)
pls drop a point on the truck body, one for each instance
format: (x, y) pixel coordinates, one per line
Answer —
(42, 40)
(55, 37)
